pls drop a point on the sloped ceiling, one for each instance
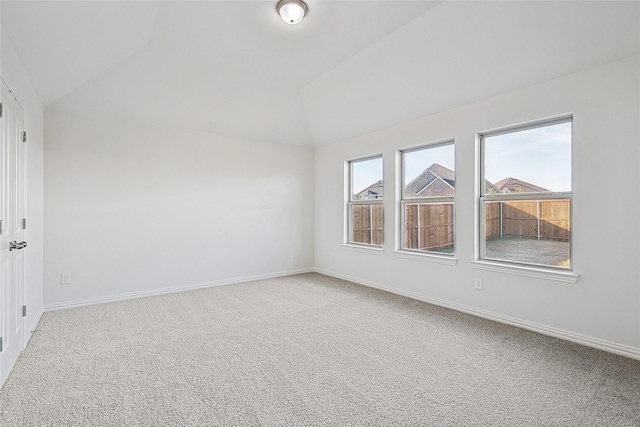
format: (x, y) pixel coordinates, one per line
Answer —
(351, 67)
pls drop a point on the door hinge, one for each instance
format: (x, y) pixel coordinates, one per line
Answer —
(0, 226)
(24, 136)
(24, 311)
(0, 344)
(24, 223)
(0, 109)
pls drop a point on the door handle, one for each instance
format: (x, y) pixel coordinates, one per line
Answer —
(17, 245)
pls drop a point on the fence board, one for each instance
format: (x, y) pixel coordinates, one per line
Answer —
(555, 219)
(520, 219)
(492, 217)
(377, 222)
(367, 224)
(436, 226)
(435, 230)
(411, 227)
(360, 218)
(428, 226)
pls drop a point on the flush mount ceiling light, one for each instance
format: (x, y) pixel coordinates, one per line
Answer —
(291, 11)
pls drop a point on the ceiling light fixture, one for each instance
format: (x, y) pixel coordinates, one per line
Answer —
(291, 11)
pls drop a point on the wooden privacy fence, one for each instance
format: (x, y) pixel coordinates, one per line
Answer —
(428, 226)
(530, 219)
(367, 224)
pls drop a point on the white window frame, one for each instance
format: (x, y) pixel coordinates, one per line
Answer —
(517, 267)
(350, 203)
(403, 202)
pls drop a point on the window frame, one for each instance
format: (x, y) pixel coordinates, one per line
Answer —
(483, 199)
(350, 203)
(404, 201)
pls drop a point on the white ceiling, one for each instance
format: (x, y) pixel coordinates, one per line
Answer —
(351, 67)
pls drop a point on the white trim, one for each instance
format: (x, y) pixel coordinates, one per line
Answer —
(153, 292)
(366, 157)
(397, 201)
(588, 341)
(377, 250)
(482, 262)
(33, 327)
(539, 273)
(428, 257)
(426, 145)
(534, 124)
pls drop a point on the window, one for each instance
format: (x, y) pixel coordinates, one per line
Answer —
(365, 201)
(428, 190)
(526, 195)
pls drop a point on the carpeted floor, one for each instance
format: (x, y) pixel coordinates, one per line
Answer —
(307, 350)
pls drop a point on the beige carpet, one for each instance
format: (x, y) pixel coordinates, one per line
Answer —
(307, 350)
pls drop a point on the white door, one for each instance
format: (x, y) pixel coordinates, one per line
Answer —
(12, 228)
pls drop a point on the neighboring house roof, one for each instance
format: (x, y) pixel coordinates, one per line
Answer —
(444, 173)
(437, 188)
(425, 184)
(489, 188)
(514, 185)
(418, 187)
(374, 191)
(438, 181)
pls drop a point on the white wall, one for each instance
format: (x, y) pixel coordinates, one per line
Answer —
(603, 307)
(13, 73)
(133, 209)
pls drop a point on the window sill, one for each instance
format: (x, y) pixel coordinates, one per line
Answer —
(376, 250)
(539, 273)
(427, 257)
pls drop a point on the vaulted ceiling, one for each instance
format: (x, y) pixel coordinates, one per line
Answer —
(351, 67)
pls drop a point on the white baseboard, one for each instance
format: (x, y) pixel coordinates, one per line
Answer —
(611, 347)
(31, 328)
(153, 292)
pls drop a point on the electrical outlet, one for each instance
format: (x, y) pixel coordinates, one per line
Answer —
(478, 284)
(65, 278)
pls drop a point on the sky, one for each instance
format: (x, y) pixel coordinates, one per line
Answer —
(539, 156)
(365, 173)
(370, 171)
(415, 162)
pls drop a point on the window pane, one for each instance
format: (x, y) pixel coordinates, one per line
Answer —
(535, 230)
(366, 218)
(429, 172)
(529, 231)
(528, 161)
(366, 223)
(366, 179)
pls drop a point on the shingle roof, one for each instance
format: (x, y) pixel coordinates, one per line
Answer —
(416, 188)
(376, 190)
(444, 173)
(514, 185)
(437, 188)
(489, 188)
(426, 177)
